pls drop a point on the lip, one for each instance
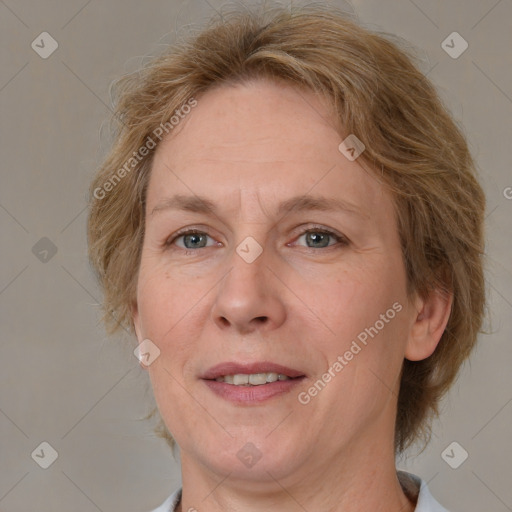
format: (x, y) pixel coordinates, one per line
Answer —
(247, 395)
(233, 368)
(252, 395)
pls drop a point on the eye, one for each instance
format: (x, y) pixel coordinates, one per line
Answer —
(320, 238)
(191, 239)
(315, 238)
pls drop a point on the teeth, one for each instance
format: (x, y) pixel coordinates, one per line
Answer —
(258, 378)
(240, 379)
(254, 379)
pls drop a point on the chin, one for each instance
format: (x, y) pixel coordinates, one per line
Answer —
(259, 459)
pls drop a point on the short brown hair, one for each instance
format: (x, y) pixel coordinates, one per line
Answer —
(377, 92)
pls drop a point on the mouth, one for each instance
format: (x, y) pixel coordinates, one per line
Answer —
(253, 379)
(243, 383)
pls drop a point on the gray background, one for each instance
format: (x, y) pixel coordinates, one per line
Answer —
(63, 381)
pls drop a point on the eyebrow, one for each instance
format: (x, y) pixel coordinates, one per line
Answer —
(198, 204)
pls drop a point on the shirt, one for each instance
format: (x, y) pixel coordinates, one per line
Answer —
(411, 484)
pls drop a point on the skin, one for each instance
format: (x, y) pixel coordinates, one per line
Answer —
(300, 304)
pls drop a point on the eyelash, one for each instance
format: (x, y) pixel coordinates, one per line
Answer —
(340, 239)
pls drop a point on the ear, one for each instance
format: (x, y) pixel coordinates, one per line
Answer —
(138, 328)
(428, 325)
(136, 321)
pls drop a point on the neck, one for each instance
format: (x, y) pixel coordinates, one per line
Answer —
(333, 484)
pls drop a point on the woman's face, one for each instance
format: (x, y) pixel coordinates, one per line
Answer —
(296, 268)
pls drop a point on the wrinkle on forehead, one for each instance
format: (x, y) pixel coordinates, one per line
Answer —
(250, 147)
(274, 117)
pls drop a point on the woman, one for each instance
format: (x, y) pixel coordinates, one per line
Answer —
(289, 221)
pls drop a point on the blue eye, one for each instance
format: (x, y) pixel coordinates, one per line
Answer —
(192, 239)
(321, 238)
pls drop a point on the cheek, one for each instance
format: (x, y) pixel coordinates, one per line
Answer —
(168, 317)
(163, 299)
(367, 326)
(172, 315)
(351, 300)
(362, 362)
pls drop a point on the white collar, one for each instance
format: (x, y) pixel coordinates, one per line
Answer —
(425, 501)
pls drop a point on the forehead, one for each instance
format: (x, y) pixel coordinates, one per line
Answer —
(268, 139)
(236, 121)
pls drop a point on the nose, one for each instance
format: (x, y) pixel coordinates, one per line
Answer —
(250, 297)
